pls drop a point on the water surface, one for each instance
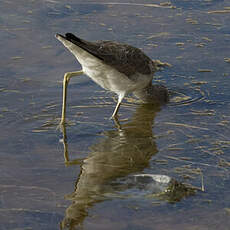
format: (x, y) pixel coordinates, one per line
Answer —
(83, 181)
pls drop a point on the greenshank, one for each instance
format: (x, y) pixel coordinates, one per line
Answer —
(117, 67)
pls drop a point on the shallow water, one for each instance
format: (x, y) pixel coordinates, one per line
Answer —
(82, 181)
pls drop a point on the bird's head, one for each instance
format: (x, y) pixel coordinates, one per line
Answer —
(153, 94)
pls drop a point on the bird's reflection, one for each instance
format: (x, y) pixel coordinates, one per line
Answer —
(126, 149)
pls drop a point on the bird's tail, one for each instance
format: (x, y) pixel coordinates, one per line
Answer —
(72, 38)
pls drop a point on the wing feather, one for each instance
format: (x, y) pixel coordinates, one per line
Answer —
(125, 58)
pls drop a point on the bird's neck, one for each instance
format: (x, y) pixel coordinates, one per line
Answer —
(154, 94)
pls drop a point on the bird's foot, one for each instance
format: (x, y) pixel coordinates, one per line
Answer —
(116, 121)
(60, 126)
(114, 117)
(63, 124)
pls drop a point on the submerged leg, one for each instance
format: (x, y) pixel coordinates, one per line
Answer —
(66, 79)
(120, 98)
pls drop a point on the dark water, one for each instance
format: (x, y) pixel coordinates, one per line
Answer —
(86, 181)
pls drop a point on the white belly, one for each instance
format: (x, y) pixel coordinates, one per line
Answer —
(108, 77)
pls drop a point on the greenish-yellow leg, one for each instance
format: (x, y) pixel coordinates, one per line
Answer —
(66, 79)
(120, 98)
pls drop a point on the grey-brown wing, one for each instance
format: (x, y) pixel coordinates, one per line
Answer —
(125, 58)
